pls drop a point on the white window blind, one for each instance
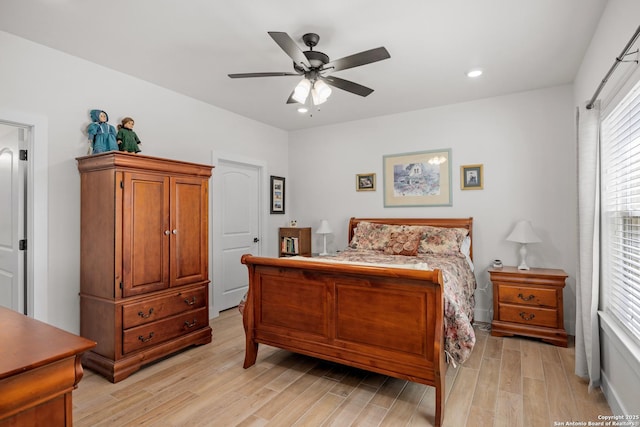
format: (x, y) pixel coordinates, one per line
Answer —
(621, 211)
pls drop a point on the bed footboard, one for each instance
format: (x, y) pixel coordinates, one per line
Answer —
(385, 320)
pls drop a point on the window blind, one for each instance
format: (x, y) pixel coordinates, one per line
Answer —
(621, 211)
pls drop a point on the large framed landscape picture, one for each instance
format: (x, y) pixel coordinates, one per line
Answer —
(418, 179)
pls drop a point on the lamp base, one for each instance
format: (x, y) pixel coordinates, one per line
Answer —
(523, 256)
(324, 245)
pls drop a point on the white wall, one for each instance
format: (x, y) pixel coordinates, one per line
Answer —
(525, 141)
(42, 81)
(620, 356)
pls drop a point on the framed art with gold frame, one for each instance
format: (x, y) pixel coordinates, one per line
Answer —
(366, 182)
(418, 179)
(471, 177)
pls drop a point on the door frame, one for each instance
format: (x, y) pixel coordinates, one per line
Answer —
(215, 233)
(37, 209)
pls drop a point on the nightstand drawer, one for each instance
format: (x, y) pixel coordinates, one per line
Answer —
(529, 315)
(528, 295)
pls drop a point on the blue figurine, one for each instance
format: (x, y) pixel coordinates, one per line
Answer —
(101, 134)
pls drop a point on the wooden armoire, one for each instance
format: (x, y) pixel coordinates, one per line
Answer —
(144, 259)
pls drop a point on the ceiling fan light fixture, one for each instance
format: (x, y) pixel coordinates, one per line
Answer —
(317, 99)
(301, 91)
(320, 92)
(302, 110)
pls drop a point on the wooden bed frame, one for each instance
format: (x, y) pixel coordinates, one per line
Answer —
(385, 320)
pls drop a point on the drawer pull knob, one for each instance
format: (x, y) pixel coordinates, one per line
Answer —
(143, 339)
(146, 316)
(526, 316)
(190, 302)
(523, 298)
(190, 325)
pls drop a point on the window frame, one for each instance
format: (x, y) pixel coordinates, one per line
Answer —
(620, 211)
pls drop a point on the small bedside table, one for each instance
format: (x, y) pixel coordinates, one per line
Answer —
(528, 302)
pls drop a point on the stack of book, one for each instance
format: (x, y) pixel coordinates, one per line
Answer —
(290, 245)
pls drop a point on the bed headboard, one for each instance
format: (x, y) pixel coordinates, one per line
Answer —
(434, 222)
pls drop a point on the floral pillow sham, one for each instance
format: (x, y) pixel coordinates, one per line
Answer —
(388, 238)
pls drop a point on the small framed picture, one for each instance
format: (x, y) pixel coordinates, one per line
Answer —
(366, 182)
(471, 177)
(277, 195)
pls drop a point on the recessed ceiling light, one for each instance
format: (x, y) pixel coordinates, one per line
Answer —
(302, 110)
(474, 73)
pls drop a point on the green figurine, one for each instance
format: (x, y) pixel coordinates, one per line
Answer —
(126, 137)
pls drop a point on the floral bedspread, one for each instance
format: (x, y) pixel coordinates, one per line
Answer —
(459, 287)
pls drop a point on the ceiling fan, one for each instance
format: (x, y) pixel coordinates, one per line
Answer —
(316, 68)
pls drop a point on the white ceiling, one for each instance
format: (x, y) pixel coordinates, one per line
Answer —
(190, 46)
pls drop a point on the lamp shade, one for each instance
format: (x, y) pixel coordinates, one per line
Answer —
(325, 228)
(301, 91)
(523, 233)
(320, 92)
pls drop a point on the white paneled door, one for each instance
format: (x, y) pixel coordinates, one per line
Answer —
(236, 221)
(13, 176)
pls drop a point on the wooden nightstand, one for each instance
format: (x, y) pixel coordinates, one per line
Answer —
(294, 241)
(528, 302)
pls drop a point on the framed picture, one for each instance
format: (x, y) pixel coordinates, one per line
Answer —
(471, 177)
(277, 195)
(366, 182)
(418, 179)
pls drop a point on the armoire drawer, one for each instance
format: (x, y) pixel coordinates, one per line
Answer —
(154, 333)
(152, 309)
(527, 295)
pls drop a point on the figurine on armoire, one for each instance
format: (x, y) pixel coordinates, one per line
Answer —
(126, 137)
(102, 135)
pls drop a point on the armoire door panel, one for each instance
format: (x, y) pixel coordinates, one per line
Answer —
(189, 213)
(146, 233)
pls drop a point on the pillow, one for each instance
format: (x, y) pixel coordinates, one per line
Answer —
(465, 247)
(441, 240)
(465, 250)
(403, 242)
(370, 236)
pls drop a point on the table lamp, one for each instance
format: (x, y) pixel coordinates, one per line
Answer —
(523, 233)
(324, 230)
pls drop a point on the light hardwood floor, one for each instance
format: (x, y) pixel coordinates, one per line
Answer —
(506, 382)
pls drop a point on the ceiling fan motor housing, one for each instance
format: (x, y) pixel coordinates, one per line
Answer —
(316, 59)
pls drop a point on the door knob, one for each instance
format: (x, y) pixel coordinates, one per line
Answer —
(256, 240)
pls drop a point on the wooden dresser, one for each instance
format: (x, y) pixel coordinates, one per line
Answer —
(529, 303)
(39, 369)
(144, 284)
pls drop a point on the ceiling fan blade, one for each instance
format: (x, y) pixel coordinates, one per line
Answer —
(244, 75)
(357, 59)
(290, 100)
(290, 47)
(347, 85)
